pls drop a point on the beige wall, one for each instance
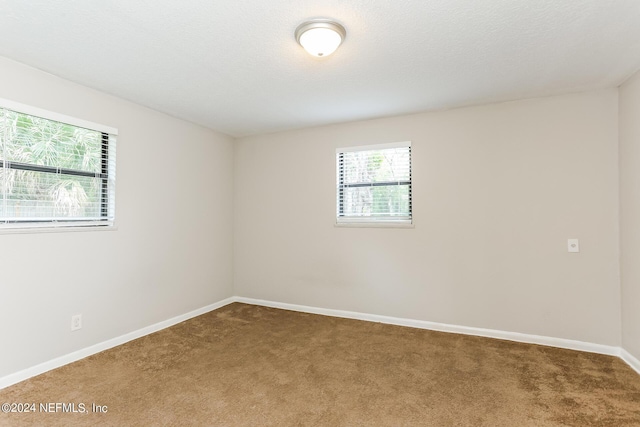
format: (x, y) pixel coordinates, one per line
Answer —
(630, 213)
(498, 189)
(171, 252)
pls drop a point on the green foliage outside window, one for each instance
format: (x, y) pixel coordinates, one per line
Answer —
(41, 193)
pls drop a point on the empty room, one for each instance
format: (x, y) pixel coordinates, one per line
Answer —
(381, 213)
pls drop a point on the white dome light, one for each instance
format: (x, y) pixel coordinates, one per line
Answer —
(320, 37)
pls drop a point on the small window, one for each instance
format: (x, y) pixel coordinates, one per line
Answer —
(374, 184)
(55, 171)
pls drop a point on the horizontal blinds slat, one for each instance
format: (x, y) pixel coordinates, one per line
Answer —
(373, 147)
(57, 224)
(375, 184)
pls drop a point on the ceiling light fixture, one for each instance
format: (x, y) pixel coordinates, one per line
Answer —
(320, 37)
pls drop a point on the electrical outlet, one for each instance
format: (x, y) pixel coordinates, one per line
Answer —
(573, 245)
(76, 322)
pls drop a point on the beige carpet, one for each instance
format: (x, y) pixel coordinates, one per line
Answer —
(245, 365)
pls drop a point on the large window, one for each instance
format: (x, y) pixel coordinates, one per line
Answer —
(54, 170)
(374, 184)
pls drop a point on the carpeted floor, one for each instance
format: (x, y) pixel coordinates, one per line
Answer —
(246, 365)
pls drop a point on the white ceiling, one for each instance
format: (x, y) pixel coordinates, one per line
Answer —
(234, 65)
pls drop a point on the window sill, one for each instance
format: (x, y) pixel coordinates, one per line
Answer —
(380, 224)
(58, 229)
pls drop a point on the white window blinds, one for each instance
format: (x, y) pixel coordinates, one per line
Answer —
(54, 170)
(374, 183)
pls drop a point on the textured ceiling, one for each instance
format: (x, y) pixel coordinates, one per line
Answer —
(234, 65)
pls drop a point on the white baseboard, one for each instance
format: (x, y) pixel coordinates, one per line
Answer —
(420, 324)
(443, 327)
(105, 345)
(466, 330)
(631, 361)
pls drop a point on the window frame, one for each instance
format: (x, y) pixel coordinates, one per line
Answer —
(106, 221)
(390, 222)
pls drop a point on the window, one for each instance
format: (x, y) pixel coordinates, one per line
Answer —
(55, 171)
(374, 184)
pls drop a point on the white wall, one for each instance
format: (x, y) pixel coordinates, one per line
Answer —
(498, 189)
(630, 213)
(171, 252)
